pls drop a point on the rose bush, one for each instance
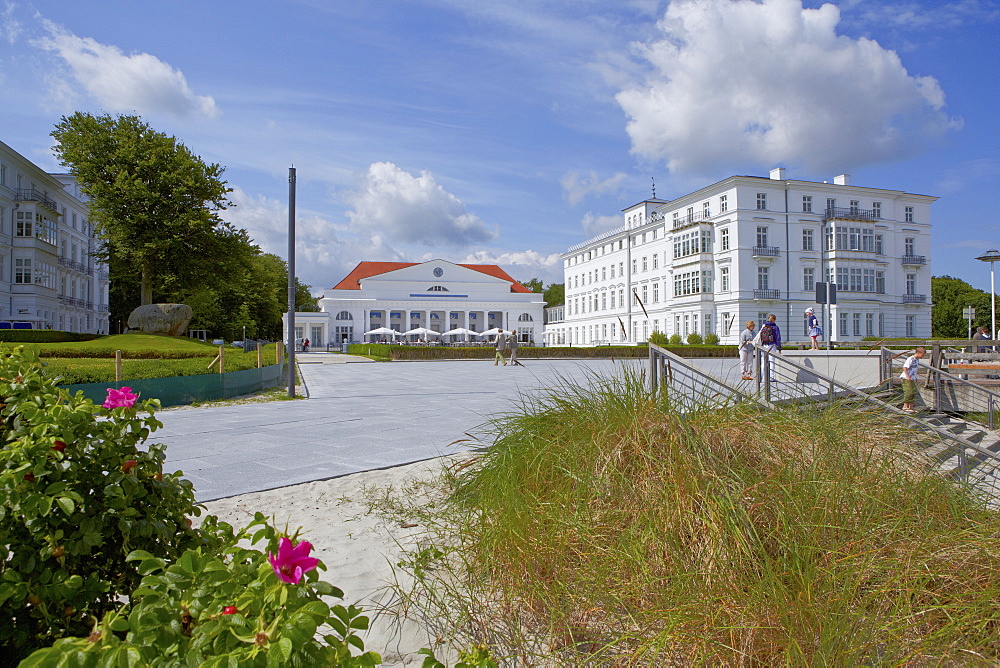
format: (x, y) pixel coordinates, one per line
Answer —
(77, 495)
(228, 607)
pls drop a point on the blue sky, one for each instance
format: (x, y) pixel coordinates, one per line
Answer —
(506, 132)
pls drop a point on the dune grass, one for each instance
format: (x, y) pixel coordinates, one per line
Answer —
(604, 526)
(132, 345)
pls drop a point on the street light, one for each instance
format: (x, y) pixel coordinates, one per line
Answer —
(992, 256)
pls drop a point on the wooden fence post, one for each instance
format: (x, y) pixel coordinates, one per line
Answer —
(260, 355)
(222, 360)
(118, 366)
(279, 352)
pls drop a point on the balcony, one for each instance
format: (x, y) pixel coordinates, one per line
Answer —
(78, 266)
(851, 213)
(766, 294)
(766, 251)
(33, 195)
(72, 301)
(914, 259)
(689, 218)
(103, 308)
(914, 299)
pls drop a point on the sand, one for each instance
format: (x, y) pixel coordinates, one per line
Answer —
(359, 545)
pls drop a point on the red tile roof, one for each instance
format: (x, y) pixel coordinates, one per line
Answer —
(368, 269)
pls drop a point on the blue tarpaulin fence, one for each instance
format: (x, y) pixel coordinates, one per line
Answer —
(181, 390)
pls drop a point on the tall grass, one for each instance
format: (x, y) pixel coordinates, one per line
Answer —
(606, 526)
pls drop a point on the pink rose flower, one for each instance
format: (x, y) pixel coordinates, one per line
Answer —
(120, 398)
(292, 561)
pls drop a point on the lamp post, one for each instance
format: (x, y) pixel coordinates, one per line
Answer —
(992, 256)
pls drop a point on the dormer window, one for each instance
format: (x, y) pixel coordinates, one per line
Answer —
(437, 288)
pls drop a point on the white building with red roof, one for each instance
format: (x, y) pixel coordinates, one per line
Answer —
(438, 295)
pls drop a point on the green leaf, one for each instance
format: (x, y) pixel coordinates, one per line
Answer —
(66, 504)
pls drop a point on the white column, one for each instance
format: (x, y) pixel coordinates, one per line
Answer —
(406, 320)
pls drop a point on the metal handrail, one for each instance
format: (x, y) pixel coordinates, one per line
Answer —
(781, 380)
(990, 399)
(700, 387)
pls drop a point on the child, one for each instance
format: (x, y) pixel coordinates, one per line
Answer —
(909, 377)
(814, 329)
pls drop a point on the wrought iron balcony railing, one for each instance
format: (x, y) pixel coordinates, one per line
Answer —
(766, 294)
(766, 251)
(914, 299)
(34, 195)
(851, 213)
(914, 259)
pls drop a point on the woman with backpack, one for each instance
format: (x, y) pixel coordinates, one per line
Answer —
(769, 338)
(814, 329)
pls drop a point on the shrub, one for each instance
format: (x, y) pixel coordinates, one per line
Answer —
(711, 339)
(676, 340)
(223, 607)
(76, 496)
(44, 336)
(694, 339)
(658, 338)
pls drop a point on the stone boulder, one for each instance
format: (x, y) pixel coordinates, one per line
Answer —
(169, 319)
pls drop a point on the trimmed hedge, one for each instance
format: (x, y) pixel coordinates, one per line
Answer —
(44, 336)
(410, 353)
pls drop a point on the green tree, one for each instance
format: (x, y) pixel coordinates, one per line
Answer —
(153, 202)
(533, 284)
(555, 294)
(950, 295)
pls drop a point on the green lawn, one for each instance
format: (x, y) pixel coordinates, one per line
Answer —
(144, 356)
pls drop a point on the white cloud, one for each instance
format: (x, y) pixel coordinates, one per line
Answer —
(522, 265)
(10, 27)
(593, 224)
(138, 82)
(740, 81)
(324, 254)
(577, 185)
(413, 209)
(911, 16)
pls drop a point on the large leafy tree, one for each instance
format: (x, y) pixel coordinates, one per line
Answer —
(950, 296)
(555, 294)
(154, 202)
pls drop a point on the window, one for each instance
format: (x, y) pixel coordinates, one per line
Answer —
(880, 282)
(869, 324)
(908, 216)
(881, 324)
(763, 276)
(3, 174)
(612, 299)
(842, 325)
(612, 271)
(656, 293)
(604, 301)
(724, 239)
(22, 270)
(908, 245)
(856, 319)
(761, 236)
(437, 288)
(635, 263)
(910, 325)
(723, 204)
(645, 295)
(656, 261)
(878, 244)
(345, 315)
(831, 204)
(808, 279)
(911, 284)
(645, 263)
(854, 207)
(807, 204)
(23, 223)
(708, 323)
(724, 276)
(705, 211)
(877, 209)
(677, 219)
(761, 201)
(621, 297)
(807, 240)
(525, 317)
(604, 273)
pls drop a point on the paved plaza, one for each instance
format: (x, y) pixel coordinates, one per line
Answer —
(358, 417)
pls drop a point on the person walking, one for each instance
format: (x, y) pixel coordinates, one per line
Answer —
(746, 350)
(512, 347)
(501, 348)
(982, 334)
(909, 376)
(769, 338)
(815, 331)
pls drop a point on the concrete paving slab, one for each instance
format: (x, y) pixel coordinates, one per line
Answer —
(358, 417)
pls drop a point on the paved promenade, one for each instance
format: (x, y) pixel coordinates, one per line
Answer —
(359, 416)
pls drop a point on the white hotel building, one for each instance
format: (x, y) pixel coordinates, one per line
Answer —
(749, 246)
(436, 295)
(48, 276)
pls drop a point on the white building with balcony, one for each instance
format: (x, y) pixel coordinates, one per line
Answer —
(749, 246)
(436, 295)
(48, 276)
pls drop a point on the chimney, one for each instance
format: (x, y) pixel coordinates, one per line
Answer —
(842, 179)
(778, 174)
